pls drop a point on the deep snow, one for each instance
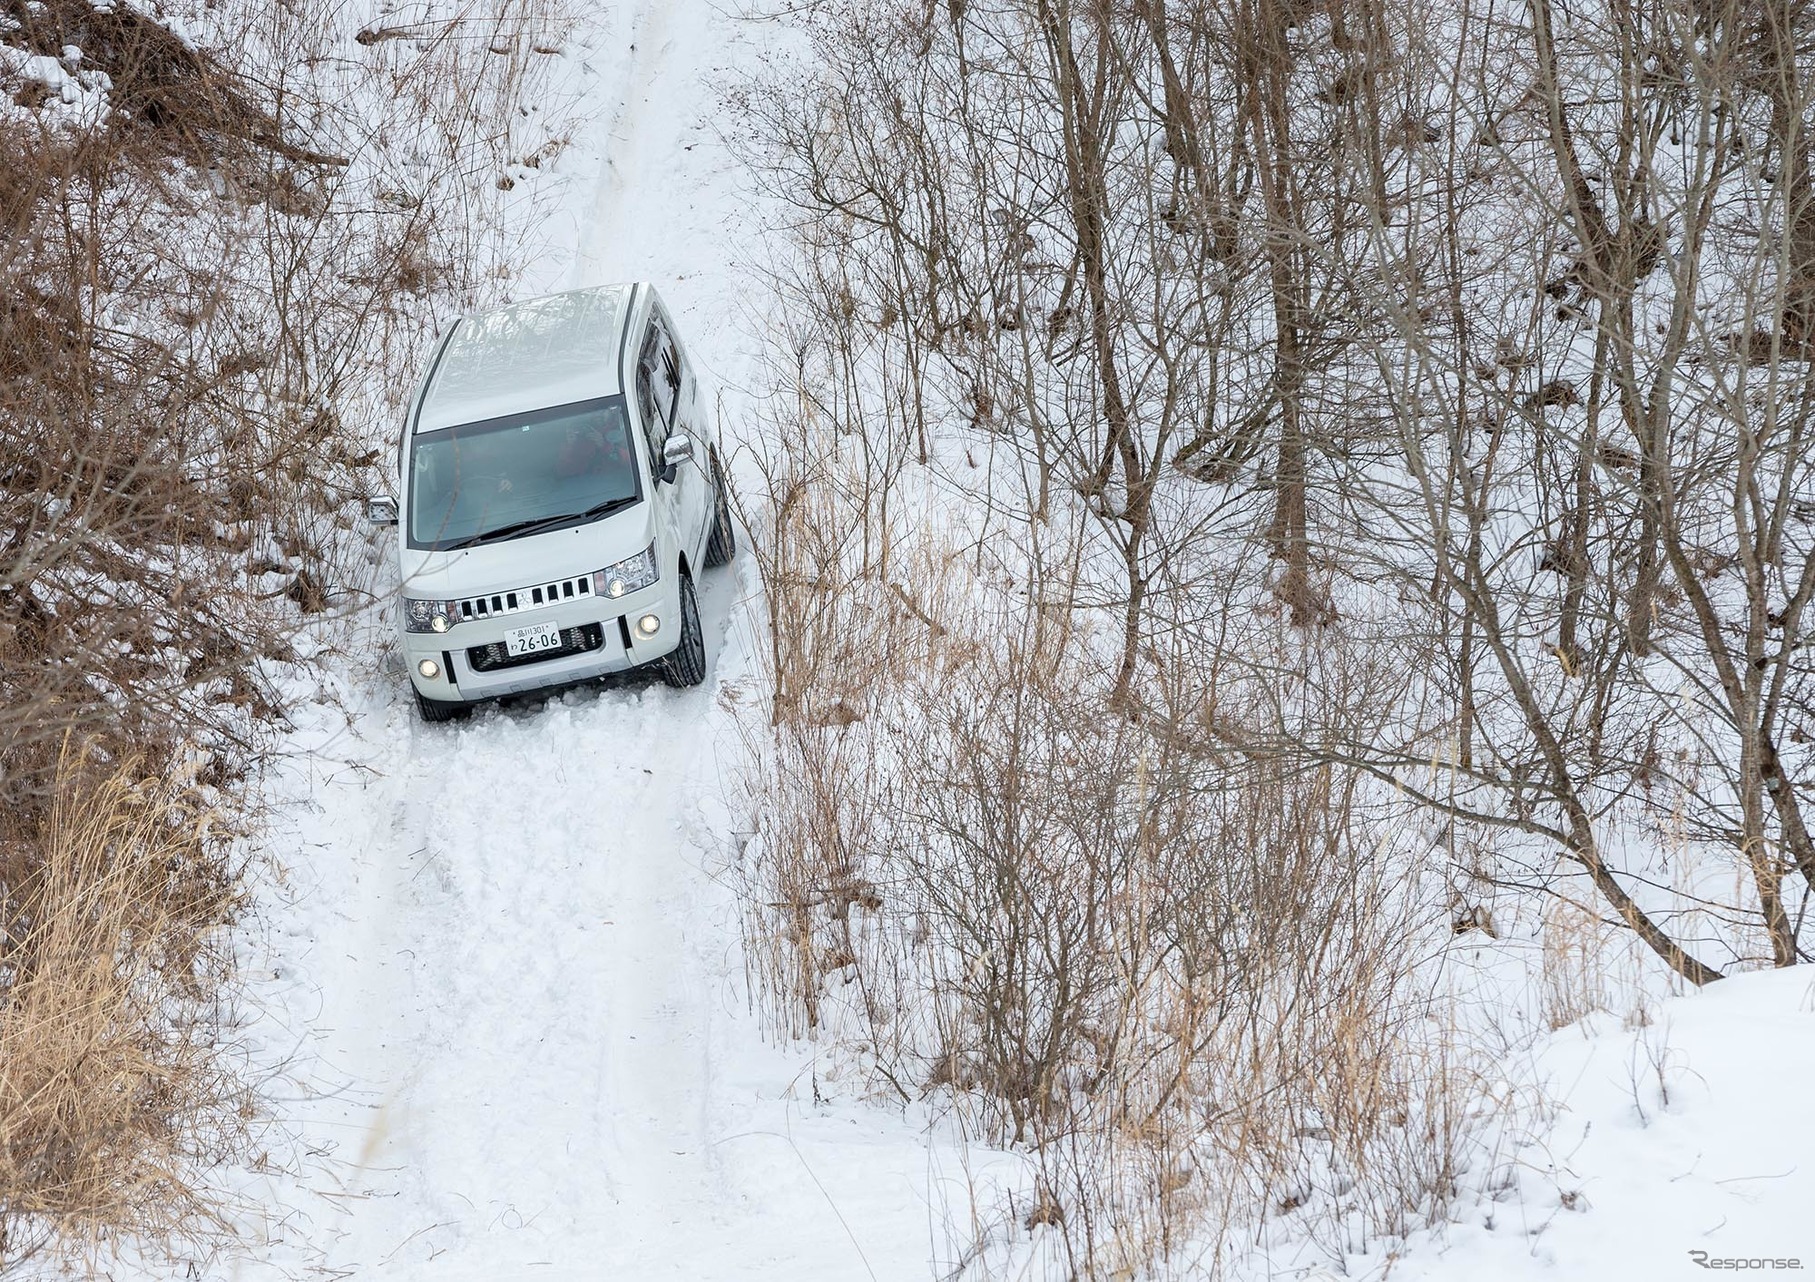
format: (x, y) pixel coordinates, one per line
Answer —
(1678, 1134)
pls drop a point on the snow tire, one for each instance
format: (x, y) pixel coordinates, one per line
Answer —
(438, 710)
(686, 665)
(722, 546)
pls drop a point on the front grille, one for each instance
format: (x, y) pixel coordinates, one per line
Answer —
(530, 598)
(493, 657)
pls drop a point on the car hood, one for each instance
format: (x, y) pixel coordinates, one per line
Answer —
(528, 560)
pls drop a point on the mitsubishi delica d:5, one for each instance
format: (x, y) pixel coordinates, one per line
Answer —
(559, 497)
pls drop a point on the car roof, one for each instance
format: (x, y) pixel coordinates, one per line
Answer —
(552, 350)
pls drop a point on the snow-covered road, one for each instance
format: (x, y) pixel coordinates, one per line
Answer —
(505, 976)
(524, 1051)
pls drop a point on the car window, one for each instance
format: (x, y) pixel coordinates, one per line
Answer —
(647, 409)
(658, 385)
(671, 372)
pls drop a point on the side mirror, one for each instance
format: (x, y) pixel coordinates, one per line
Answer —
(381, 511)
(676, 450)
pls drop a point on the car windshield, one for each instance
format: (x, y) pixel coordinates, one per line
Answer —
(519, 474)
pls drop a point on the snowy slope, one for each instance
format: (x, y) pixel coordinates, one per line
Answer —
(531, 1042)
(1680, 1135)
(505, 978)
(506, 983)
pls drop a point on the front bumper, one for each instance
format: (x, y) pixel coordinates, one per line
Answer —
(623, 648)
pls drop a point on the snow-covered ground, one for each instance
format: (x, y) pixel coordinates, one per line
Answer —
(1676, 1136)
(525, 1042)
(504, 975)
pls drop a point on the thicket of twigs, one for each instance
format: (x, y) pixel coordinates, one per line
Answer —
(224, 230)
(1260, 493)
(1184, 981)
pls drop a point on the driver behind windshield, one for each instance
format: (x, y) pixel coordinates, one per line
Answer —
(590, 450)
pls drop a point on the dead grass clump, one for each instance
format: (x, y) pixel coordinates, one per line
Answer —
(1575, 965)
(187, 102)
(113, 1101)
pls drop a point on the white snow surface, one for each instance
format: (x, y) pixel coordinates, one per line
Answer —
(502, 974)
(526, 1053)
(1678, 1135)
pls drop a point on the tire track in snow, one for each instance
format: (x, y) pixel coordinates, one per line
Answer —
(521, 947)
(624, 175)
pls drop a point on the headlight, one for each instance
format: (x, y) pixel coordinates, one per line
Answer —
(429, 616)
(626, 576)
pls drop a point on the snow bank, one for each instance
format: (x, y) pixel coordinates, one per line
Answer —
(1679, 1136)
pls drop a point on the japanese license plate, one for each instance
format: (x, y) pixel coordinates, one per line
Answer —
(532, 640)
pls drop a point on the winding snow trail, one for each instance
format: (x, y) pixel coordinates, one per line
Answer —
(509, 973)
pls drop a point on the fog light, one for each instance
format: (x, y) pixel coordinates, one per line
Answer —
(429, 669)
(649, 625)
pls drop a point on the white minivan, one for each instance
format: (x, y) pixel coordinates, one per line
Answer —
(559, 496)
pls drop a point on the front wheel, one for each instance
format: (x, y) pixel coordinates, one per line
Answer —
(722, 545)
(439, 710)
(686, 664)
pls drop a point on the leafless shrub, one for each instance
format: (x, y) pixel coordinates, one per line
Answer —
(1477, 345)
(1183, 980)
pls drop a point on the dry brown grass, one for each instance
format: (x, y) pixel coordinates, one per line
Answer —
(1575, 962)
(113, 1101)
(210, 296)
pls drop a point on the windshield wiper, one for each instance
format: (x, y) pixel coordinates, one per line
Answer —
(515, 528)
